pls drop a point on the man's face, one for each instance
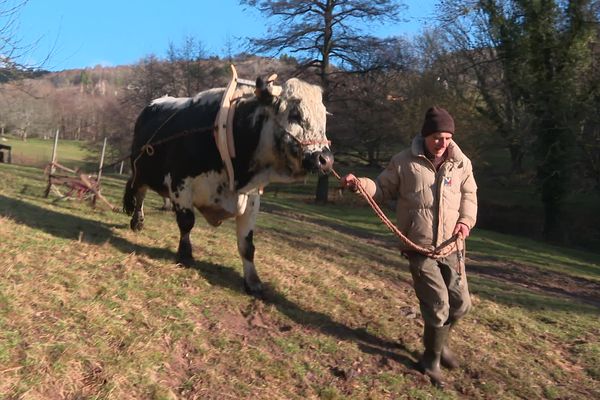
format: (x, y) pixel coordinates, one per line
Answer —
(437, 143)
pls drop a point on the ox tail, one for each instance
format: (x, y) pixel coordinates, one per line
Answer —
(129, 197)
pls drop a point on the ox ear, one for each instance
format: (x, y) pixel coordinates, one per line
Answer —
(264, 89)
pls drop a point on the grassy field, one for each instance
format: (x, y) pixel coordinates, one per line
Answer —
(91, 310)
(38, 152)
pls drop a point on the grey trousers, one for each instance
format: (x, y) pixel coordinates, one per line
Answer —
(443, 293)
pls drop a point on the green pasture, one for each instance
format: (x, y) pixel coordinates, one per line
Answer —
(38, 152)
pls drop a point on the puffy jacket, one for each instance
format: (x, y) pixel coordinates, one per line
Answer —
(429, 203)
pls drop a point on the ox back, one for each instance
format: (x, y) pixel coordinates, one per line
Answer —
(187, 146)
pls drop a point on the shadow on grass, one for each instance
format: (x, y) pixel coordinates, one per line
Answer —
(69, 227)
(75, 228)
(218, 275)
(366, 341)
(313, 217)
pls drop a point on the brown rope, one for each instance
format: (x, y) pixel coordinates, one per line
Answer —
(448, 247)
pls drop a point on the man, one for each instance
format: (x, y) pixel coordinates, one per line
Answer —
(435, 192)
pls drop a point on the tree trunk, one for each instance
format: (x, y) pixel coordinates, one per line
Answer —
(321, 196)
(554, 174)
(552, 230)
(516, 158)
(322, 191)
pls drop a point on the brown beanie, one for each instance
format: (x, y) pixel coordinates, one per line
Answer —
(437, 120)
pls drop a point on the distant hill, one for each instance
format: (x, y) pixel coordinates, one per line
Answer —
(11, 74)
(89, 103)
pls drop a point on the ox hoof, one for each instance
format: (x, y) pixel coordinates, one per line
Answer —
(186, 261)
(254, 289)
(136, 226)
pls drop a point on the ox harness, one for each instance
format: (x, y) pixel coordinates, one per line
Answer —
(222, 128)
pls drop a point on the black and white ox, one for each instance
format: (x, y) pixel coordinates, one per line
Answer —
(277, 138)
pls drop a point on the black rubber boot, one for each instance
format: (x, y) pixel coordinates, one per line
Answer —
(448, 358)
(434, 340)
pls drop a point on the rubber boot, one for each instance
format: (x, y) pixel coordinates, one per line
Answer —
(434, 340)
(448, 358)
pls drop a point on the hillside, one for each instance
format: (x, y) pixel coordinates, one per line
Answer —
(93, 103)
(89, 309)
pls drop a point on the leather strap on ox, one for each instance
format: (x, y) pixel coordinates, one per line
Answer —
(222, 125)
(223, 130)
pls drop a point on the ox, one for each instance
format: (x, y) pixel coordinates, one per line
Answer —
(277, 138)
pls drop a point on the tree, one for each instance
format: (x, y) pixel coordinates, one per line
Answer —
(322, 33)
(530, 58)
(369, 108)
(484, 40)
(588, 134)
(12, 48)
(150, 80)
(188, 76)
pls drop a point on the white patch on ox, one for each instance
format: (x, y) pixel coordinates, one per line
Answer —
(203, 193)
(266, 176)
(178, 103)
(209, 96)
(309, 100)
(170, 102)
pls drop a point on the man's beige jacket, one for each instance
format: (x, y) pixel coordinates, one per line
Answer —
(429, 203)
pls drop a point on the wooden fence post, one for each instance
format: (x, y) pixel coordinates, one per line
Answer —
(101, 161)
(54, 148)
(52, 162)
(99, 173)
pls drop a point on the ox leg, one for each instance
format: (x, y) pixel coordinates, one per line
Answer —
(167, 204)
(137, 220)
(185, 221)
(245, 231)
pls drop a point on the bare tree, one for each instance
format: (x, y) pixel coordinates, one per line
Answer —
(150, 79)
(12, 47)
(184, 62)
(368, 107)
(531, 60)
(322, 33)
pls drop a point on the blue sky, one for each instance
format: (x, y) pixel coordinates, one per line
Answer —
(84, 33)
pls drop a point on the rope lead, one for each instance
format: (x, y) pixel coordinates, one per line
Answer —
(443, 250)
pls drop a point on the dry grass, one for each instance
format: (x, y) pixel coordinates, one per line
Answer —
(90, 310)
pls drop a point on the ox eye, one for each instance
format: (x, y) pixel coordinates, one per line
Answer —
(295, 116)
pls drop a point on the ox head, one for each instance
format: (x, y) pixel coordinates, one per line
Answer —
(299, 119)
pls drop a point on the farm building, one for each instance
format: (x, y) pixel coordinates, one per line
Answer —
(5, 153)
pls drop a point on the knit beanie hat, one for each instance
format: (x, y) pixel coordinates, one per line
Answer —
(437, 119)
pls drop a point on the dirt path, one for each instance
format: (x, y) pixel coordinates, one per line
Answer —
(534, 278)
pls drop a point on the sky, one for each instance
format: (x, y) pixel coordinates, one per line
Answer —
(86, 33)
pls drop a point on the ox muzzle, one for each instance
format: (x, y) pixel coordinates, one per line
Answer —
(318, 161)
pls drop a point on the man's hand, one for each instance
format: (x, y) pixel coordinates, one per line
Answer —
(350, 182)
(462, 229)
